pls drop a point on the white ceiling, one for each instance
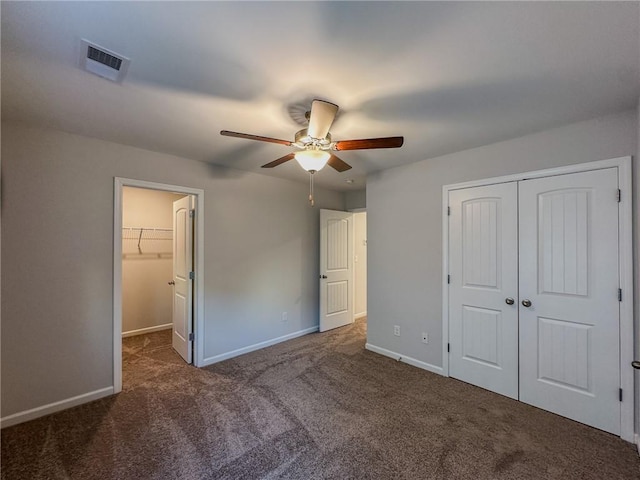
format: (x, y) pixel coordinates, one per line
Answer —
(448, 76)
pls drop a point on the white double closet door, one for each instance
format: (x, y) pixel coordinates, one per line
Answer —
(533, 294)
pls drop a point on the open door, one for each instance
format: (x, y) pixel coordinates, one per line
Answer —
(183, 276)
(336, 269)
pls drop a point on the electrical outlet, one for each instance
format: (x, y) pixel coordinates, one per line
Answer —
(425, 337)
(396, 330)
(285, 317)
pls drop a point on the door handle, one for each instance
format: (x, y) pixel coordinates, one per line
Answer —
(526, 303)
(171, 282)
(509, 301)
(636, 364)
(323, 276)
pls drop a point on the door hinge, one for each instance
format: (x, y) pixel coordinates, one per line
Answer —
(191, 337)
(448, 210)
(619, 195)
(192, 275)
(448, 347)
(620, 394)
(192, 213)
(448, 278)
(619, 294)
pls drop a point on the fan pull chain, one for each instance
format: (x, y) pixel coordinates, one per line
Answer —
(311, 201)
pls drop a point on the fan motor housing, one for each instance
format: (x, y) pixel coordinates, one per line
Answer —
(302, 137)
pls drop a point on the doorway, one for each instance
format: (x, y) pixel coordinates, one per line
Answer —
(535, 270)
(343, 268)
(158, 268)
(147, 260)
(360, 264)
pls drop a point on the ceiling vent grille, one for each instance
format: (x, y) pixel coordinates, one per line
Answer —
(104, 58)
(103, 62)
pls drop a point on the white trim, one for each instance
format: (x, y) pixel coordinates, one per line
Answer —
(402, 358)
(445, 283)
(54, 407)
(198, 314)
(117, 285)
(353, 267)
(360, 315)
(548, 172)
(625, 262)
(636, 440)
(142, 331)
(625, 218)
(257, 346)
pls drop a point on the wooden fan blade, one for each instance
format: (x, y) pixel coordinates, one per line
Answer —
(279, 161)
(338, 164)
(227, 133)
(387, 142)
(322, 116)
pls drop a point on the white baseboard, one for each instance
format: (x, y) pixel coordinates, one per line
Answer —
(257, 346)
(141, 331)
(637, 442)
(360, 315)
(37, 412)
(405, 359)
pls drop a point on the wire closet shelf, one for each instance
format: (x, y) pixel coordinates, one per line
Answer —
(148, 240)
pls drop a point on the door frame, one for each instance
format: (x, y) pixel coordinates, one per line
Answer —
(198, 261)
(353, 294)
(625, 269)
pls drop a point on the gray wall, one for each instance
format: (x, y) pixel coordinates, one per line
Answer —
(261, 258)
(355, 200)
(404, 221)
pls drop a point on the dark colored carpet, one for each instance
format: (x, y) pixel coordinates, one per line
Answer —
(316, 407)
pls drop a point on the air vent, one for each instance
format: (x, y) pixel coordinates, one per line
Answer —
(103, 62)
(104, 58)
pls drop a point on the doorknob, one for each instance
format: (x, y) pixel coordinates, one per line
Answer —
(636, 364)
(323, 276)
(509, 301)
(526, 303)
(171, 282)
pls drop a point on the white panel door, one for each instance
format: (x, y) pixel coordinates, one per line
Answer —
(569, 309)
(483, 291)
(336, 269)
(183, 283)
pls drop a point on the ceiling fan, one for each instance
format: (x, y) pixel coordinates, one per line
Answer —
(315, 144)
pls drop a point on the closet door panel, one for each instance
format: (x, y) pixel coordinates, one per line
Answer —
(569, 333)
(483, 328)
(183, 281)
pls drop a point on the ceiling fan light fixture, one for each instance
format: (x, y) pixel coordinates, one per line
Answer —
(312, 160)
